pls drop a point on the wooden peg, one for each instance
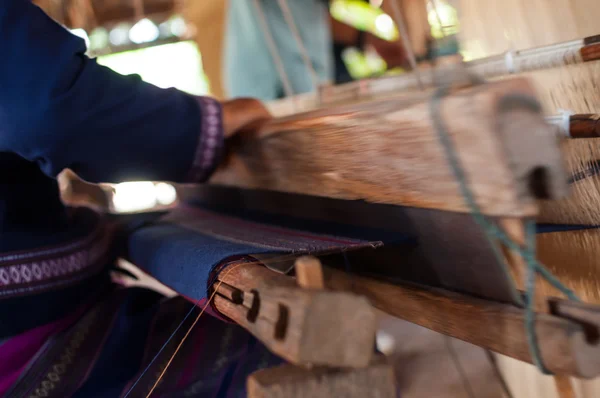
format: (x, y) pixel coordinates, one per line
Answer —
(309, 273)
(515, 230)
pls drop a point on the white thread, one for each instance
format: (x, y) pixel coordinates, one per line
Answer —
(287, 87)
(289, 19)
(509, 60)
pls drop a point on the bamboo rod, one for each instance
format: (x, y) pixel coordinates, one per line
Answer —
(538, 58)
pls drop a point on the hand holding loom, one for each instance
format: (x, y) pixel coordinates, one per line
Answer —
(242, 114)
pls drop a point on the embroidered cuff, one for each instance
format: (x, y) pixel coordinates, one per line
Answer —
(211, 141)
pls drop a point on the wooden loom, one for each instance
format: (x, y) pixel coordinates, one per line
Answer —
(369, 154)
(380, 162)
(491, 27)
(451, 284)
(374, 158)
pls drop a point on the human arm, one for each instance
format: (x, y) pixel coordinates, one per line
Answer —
(391, 52)
(60, 109)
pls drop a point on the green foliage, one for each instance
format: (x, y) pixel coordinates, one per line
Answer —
(364, 17)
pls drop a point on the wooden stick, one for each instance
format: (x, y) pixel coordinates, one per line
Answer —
(499, 327)
(537, 58)
(564, 387)
(305, 327)
(390, 152)
(585, 126)
(577, 126)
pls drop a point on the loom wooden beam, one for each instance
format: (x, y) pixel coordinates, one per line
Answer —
(585, 126)
(532, 59)
(390, 152)
(567, 337)
(289, 381)
(305, 327)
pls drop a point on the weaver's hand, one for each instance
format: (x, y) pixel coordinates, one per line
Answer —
(243, 115)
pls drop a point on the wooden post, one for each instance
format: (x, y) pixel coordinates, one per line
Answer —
(309, 273)
(516, 231)
(414, 13)
(564, 387)
(210, 21)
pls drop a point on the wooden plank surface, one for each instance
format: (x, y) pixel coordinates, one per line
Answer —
(563, 344)
(391, 153)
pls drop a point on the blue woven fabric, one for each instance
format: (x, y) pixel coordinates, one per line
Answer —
(550, 228)
(182, 248)
(180, 258)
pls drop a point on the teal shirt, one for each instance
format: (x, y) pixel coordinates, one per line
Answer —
(249, 67)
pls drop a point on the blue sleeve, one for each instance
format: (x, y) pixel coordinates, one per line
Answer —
(62, 110)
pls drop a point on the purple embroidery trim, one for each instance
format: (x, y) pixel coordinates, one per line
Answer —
(42, 272)
(211, 141)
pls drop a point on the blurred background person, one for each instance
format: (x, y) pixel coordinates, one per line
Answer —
(251, 70)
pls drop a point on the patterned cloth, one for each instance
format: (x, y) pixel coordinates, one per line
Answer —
(120, 339)
(122, 344)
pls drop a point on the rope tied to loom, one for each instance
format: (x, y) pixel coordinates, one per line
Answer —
(494, 233)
